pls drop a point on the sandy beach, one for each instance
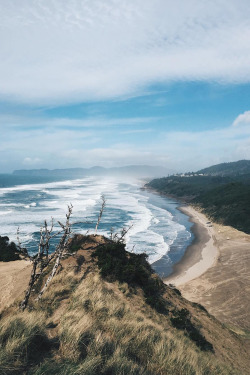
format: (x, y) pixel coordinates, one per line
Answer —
(215, 271)
(200, 255)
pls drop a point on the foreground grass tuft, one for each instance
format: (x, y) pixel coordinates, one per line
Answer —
(23, 341)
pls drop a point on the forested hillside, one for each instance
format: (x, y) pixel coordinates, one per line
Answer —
(223, 198)
(236, 168)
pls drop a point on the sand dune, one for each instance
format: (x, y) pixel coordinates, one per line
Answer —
(218, 277)
(14, 278)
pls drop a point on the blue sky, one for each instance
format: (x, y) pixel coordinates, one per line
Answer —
(116, 82)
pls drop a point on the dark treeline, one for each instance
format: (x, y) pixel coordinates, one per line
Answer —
(222, 194)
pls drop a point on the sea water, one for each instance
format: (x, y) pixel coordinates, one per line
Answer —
(157, 227)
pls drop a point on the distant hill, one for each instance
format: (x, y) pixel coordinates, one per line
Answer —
(140, 171)
(222, 191)
(236, 168)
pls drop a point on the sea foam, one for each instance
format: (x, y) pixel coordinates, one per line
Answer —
(153, 228)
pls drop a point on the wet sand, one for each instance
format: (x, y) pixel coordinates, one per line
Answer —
(200, 255)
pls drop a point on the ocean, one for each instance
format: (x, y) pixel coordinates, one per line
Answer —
(158, 228)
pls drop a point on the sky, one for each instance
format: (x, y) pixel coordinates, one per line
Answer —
(121, 82)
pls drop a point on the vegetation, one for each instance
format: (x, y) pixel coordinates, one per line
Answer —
(223, 193)
(87, 322)
(91, 308)
(228, 205)
(181, 320)
(188, 186)
(116, 263)
(236, 168)
(8, 250)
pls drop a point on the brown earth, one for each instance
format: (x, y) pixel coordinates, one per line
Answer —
(14, 278)
(224, 289)
(228, 347)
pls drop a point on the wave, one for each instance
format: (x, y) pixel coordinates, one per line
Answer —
(5, 212)
(153, 227)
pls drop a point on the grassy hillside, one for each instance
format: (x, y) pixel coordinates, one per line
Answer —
(107, 313)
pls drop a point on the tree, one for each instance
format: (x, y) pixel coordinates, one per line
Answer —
(42, 259)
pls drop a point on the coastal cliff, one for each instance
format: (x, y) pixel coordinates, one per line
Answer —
(107, 312)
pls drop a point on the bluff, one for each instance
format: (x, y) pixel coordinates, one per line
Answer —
(106, 312)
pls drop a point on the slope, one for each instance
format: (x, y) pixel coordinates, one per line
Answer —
(107, 313)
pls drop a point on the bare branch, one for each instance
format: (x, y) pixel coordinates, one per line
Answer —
(60, 251)
(61, 225)
(100, 213)
(124, 231)
(38, 261)
(21, 249)
(111, 233)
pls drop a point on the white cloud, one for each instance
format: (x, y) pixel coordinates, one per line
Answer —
(181, 150)
(25, 122)
(117, 155)
(69, 50)
(32, 161)
(242, 119)
(194, 150)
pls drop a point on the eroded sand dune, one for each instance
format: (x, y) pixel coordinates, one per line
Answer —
(14, 278)
(225, 288)
(223, 285)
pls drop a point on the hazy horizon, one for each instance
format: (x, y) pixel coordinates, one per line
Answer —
(119, 83)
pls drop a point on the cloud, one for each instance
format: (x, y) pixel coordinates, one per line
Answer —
(177, 150)
(242, 119)
(137, 131)
(32, 122)
(32, 161)
(71, 51)
(118, 155)
(197, 149)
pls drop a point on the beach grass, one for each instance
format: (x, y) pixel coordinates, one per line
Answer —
(99, 328)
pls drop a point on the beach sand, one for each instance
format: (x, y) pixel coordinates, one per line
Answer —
(215, 271)
(14, 279)
(200, 255)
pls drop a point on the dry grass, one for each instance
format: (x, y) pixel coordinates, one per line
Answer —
(87, 326)
(22, 339)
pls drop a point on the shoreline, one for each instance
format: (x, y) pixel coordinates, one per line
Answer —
(214, 271)
(200, 255)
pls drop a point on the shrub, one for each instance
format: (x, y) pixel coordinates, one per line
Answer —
(115, 263)
(8, 250)
(181, 320)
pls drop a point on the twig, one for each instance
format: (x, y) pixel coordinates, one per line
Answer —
(100, 213)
